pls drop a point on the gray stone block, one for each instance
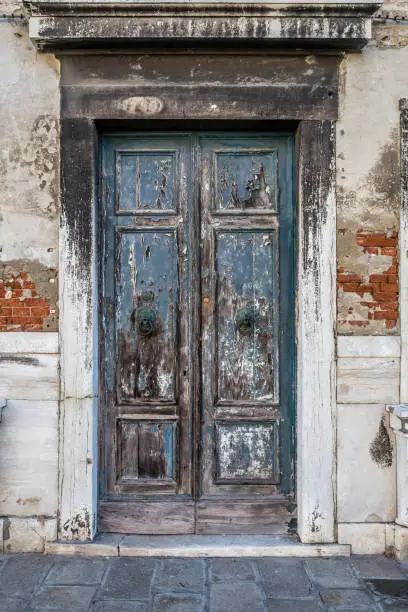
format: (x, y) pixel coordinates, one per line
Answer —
(119, 605)
(346, 597)
(237, 597)
(227, 570)
(76, 571)
(128, 579)
(376, 567)
(8, 604)
(178, 603)
(294, 605)
(284, 578)
(180, 575)
(331, 573)
(72, 598)
(21, 574)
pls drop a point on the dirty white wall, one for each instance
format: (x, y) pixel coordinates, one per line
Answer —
(368, 230)
(28, 287)
(368, 201)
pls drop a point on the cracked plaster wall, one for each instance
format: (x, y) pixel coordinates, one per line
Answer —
(29, 160)
(368, 188)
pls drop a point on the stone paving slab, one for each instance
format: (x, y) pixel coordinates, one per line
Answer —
(72, 598)
(368, 566)
(329, 573)
(33, 582)
(180, 575)
(77, 571)
(283, 576)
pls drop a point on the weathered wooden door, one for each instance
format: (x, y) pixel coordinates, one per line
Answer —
(197, 317)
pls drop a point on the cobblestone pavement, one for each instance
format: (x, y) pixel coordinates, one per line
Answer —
(36, 582)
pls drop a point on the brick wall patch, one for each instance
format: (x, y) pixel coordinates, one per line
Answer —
(23, 306)
(375, 296)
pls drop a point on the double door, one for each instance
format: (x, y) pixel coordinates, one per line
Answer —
(197, 333)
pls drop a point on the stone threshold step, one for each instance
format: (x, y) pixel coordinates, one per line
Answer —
(117, 545)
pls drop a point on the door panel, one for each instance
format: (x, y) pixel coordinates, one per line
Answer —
(146, 324)
(247, 426)
(146, 315)
(246, 316)
(196, 361)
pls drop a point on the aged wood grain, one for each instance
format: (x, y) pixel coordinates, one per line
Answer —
(243, 334)
(247, 316)
(267, 517)
(153, 517)
(247, 452)
(146, 315)
(162, 442)
(145, 181)
(146, 451)
(145, 424)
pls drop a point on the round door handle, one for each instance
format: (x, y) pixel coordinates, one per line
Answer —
(245, 320)
(146, 321)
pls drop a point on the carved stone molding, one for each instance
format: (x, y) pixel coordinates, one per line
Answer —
(100, 24)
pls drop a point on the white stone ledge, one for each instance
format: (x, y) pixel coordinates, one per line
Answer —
(27, 534)
(344, 32)
(29, 342)
(196, 546)
(366, 538)
(368, 346)
(28, 376)
(368, 380)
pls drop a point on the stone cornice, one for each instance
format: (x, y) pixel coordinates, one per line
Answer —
(103, 23)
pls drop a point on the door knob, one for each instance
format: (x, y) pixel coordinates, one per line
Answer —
(245, 320)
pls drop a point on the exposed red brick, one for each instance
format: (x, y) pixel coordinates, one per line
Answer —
(372, 250)
(348, 277)
(350, 287)
(389, 288)
(383, 288)
(18, 313)
(358, 323)
(39, 312)
(378, 278)
(391, 315)
(392, 251)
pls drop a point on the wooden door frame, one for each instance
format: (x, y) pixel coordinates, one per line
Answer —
(83, 107)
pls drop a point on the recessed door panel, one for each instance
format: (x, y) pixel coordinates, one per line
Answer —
(146, 315)
(247, 316)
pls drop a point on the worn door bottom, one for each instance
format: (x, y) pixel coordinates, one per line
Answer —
(207, 516)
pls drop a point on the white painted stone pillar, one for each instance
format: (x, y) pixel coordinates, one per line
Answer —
(399, 423)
